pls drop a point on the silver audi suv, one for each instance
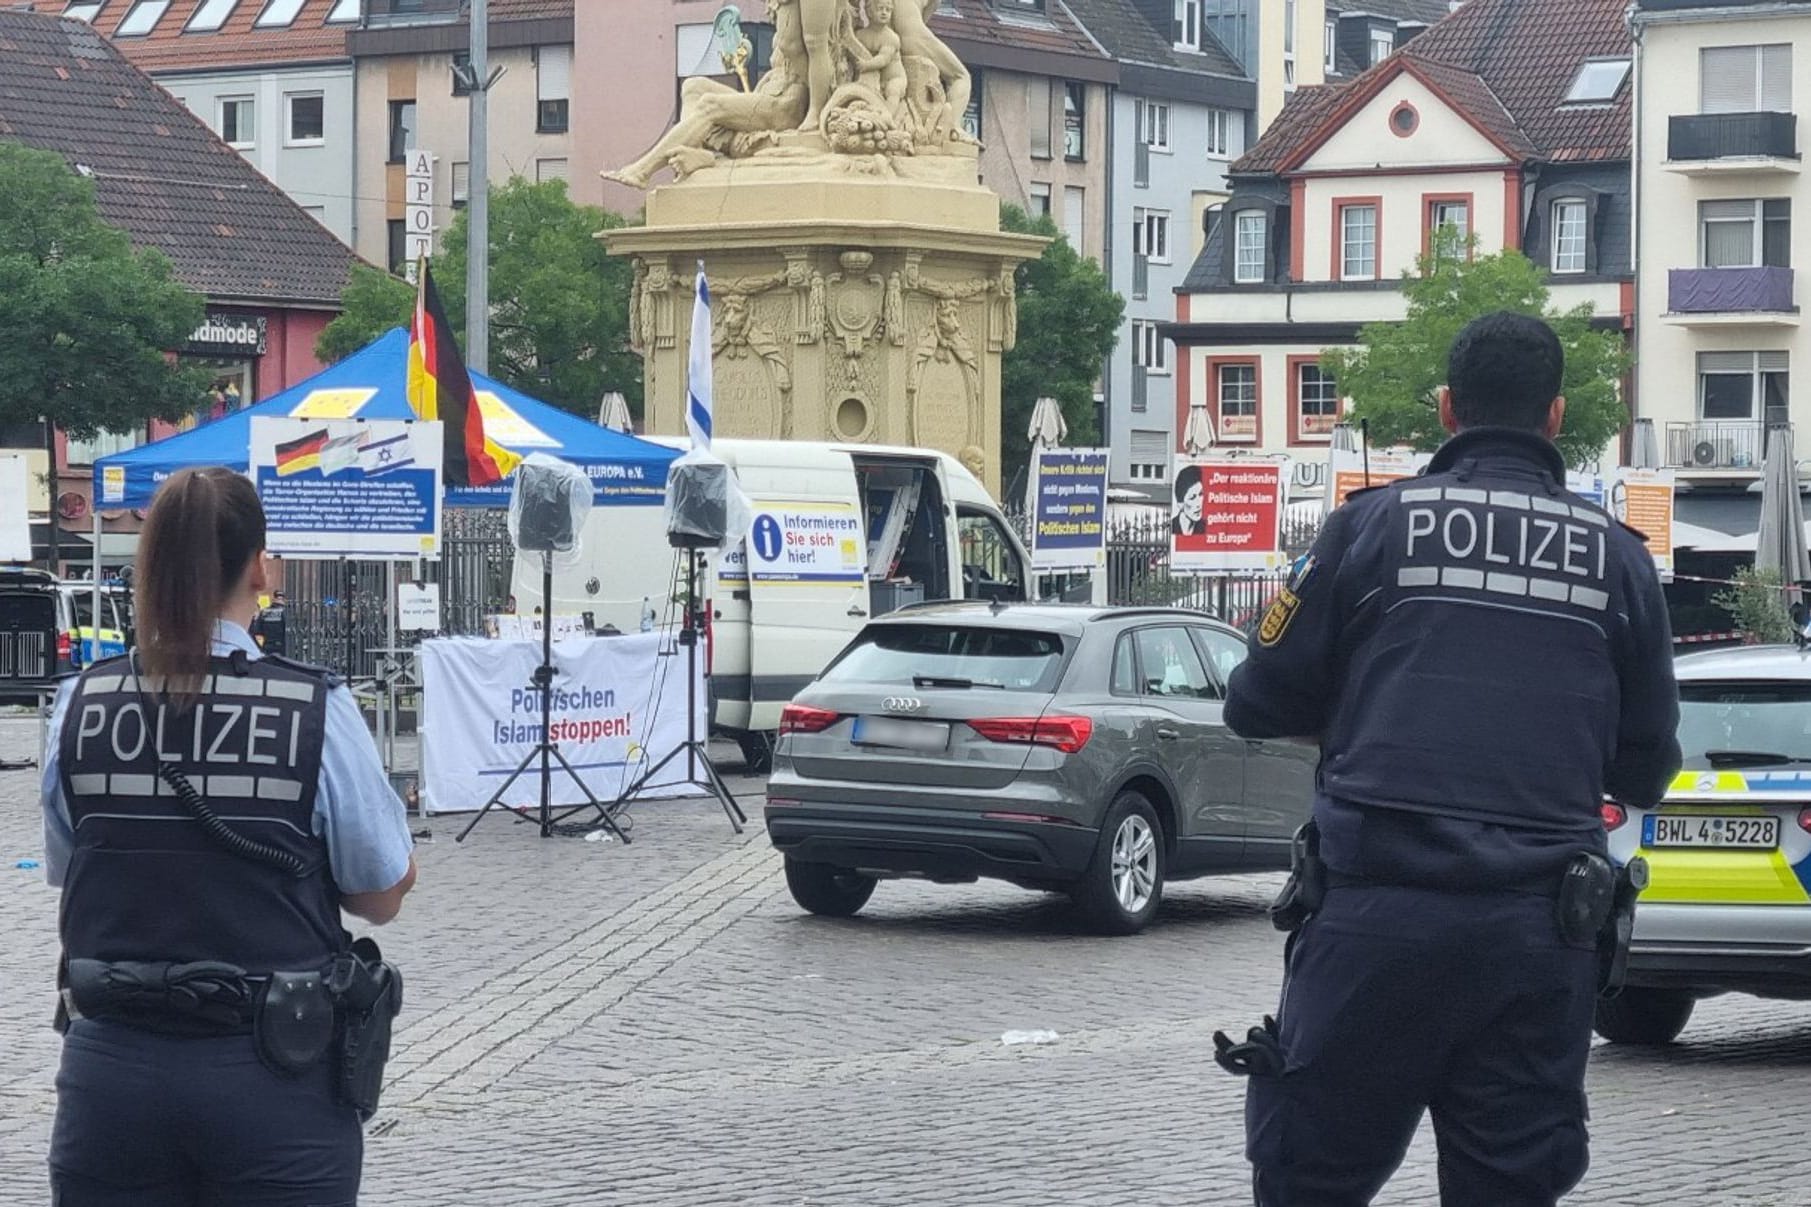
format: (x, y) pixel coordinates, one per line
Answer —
(1056, 747)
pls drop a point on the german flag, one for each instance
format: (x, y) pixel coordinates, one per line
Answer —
(304, 452)
(440, 388)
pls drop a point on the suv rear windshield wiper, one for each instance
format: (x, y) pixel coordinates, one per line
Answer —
(948, 681)
(1752, 758)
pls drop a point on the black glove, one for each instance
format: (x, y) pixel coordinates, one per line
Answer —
(1261, 1055)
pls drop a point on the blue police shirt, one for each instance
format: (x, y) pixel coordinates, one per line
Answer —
(1482, 658)
(356, 812)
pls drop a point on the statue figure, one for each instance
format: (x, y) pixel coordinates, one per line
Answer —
(916, 41)
(943, 337)
(893, 314)
(881, 88)
(875, 51)
(712, 114)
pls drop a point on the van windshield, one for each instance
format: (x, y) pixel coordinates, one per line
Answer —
(950, 655)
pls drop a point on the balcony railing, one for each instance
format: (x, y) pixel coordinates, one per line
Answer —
(1729, 290)
(1707, 136)
(1141, 276)
(1716, 444)
(1141, 388)
(1141, 162)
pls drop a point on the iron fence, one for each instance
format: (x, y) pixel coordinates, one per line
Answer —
(335, 610)
(1139, 573)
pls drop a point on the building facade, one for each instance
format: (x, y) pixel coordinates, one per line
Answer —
(273, 81)
(408, 58)
(1179, 117)
(1508, 121)
(1721, 202)
(270, 274)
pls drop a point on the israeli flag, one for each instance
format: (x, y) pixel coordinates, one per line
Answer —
(698, 369)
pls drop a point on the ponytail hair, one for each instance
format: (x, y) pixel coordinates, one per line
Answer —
(204, 528)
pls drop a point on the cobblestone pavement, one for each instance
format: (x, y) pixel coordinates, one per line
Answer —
(659, 1025)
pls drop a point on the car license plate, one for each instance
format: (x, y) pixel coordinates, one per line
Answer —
(907, 735)
(1708, 830)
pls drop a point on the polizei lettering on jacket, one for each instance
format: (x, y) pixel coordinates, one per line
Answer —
(212, 730)
(1505, 544)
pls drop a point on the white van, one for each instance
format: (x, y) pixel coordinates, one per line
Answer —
(842, 532)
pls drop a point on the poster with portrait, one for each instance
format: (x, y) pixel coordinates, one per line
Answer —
(1228, 514)
(1643, 499)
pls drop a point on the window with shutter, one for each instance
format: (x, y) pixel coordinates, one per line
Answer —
(1745, 79)
(1149, 455)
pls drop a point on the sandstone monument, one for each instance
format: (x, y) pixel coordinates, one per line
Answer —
(861, 287)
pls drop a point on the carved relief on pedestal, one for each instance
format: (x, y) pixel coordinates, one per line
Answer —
(752, 369)
(1003, 327)
(857, 309)
(651, 305)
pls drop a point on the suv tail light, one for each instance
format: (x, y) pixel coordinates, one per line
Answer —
(802, 718)
(1613, 815)
(1067, 734)
(1804, 819)
(63, 645)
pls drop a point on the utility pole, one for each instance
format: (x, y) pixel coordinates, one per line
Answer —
(477, 216)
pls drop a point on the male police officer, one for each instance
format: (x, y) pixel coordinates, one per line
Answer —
(1482, 657)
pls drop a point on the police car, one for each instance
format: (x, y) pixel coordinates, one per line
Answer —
(1728, 903)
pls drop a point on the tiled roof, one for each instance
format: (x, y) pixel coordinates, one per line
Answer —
(171, 46)
(1129, 37)
(1529, 52)
(159, 173)
(1306, 109)
(1508, 63)
(529, 10)
(979, 21)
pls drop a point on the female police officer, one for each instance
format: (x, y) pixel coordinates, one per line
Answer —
(208, 812)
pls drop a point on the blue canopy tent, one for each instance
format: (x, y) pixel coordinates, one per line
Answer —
(373, 384)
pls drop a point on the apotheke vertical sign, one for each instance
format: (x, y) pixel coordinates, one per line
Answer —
(418, 210)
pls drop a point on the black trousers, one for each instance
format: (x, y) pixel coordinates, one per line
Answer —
(1400, 1001)
(146, 1120)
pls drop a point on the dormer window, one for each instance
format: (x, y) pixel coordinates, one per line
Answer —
(1598, 81)
(1188, 24)
(1251, 230)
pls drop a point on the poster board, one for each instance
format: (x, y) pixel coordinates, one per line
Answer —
(1644, 500)
(1348, 470)
(15, 509)
(1069, 509)
(418, 607)
(348, 487)
(1228, 514)
(803, 542)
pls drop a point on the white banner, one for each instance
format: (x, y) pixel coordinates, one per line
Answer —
(348, 487)
(618, 708)
(15, 513)
(810, 541)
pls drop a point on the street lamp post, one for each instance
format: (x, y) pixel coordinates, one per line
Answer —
(477, 216)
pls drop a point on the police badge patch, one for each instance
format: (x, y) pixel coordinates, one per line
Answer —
(1282, 610)
(1287, 603)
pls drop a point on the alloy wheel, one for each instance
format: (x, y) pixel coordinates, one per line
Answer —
(1134, 863)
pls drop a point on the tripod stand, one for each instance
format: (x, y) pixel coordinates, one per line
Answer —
(546, 749)
(693, 748)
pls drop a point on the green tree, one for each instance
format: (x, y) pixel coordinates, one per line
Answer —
(1395, 375)
(559, 327)
(1069, 320)
(86, 322)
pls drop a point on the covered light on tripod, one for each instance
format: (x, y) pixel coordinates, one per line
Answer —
(705, 508)
(548, 507)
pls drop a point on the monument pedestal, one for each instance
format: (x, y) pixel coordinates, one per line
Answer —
(847, 305)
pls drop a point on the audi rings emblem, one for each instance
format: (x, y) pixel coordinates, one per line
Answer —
(902, 704)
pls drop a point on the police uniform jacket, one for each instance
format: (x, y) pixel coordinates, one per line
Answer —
(145, 881)
(1476, 644)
